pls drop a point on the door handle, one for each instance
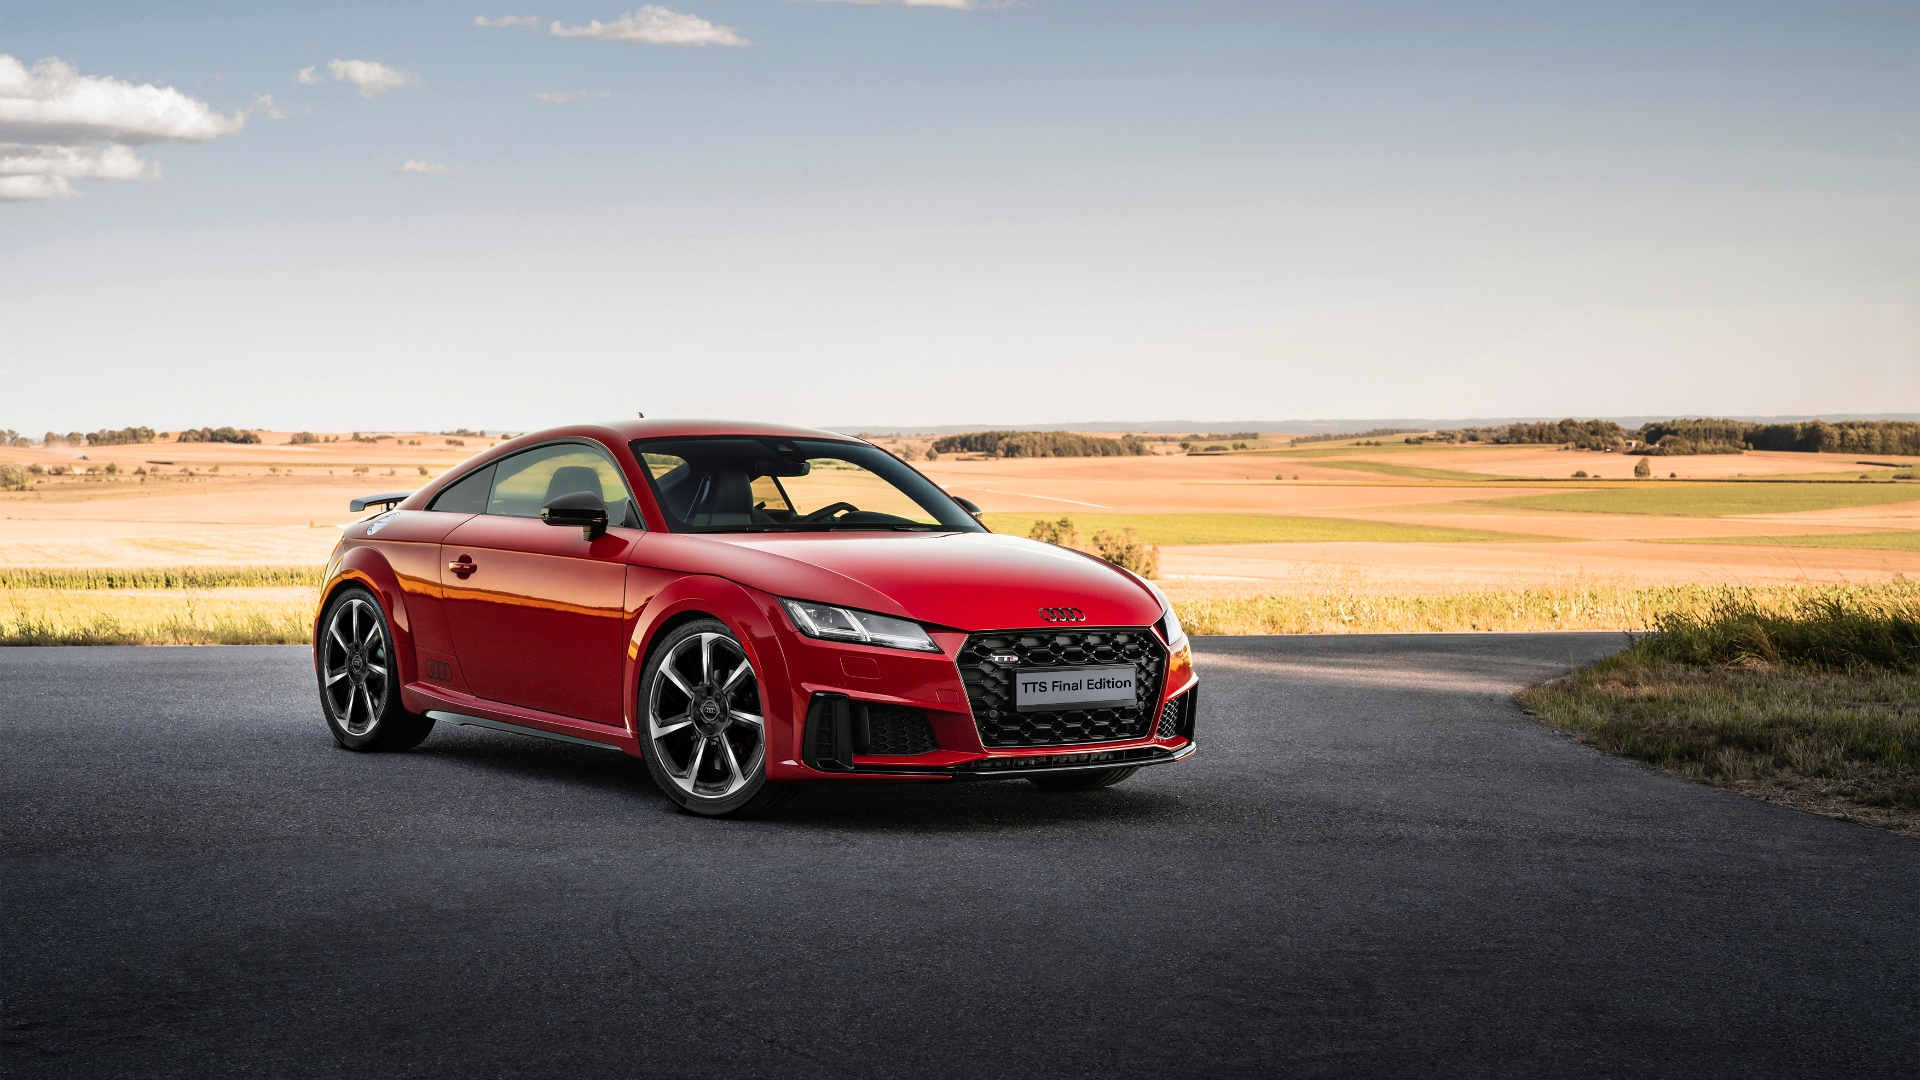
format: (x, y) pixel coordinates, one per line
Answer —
(463, 567)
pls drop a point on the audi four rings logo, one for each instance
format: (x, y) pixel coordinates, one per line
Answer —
(1063, 614)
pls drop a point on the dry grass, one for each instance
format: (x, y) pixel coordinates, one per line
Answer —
(1579, 606)
(243, 616)
(156, 577)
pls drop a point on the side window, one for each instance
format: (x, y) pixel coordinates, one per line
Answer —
(467, 496)
(523, 483)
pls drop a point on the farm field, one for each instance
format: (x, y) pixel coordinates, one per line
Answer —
(1879, 541)
(1321, 520)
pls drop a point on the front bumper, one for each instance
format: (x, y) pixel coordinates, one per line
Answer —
(931, 685)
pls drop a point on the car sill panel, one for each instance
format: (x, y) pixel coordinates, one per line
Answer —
(516, 729)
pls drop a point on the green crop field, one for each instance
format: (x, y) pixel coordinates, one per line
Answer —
(1257, 529)
(1415, 471)
(1714, 499)
(1903, 540)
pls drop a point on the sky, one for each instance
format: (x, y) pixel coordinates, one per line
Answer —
(430, 215)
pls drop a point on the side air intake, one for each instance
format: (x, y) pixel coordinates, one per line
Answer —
(839, 728)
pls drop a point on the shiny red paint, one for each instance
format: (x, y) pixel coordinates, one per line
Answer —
(525, 623)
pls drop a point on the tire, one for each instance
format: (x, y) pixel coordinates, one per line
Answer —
(1090, 780)
(353, 660)
(704, 728)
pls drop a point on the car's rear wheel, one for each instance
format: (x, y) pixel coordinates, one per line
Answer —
(359, 680)
(706, 741)
(1084, 781)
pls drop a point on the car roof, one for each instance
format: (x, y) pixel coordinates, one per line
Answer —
(682, 427)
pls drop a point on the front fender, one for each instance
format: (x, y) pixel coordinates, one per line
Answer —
(660, 601)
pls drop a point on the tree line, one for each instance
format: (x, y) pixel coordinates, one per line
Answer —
(1038, 444)
(1672, 438)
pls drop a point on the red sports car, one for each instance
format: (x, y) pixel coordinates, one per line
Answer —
(746, 607)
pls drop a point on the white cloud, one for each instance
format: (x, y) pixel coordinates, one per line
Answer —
(529, 21)
(372, 79)
(53, 103)
(307, 77)
(423, 168)
(561, 97)
(653, 25)
(57, 126)
(263, 104)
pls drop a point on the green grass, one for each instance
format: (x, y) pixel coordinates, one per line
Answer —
(1713, 499)
(1904, 540)
(1321, 450)
(1257, 529)
(175, 577)
(1386, 469)
(1814, 704)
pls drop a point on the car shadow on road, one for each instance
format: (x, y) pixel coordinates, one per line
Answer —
(942, 807)
(948, 807)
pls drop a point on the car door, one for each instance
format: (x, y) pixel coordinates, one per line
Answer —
(535, 610)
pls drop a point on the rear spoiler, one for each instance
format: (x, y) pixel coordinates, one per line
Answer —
(386, 500)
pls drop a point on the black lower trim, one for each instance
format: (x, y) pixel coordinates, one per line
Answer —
(1036, 765)
(839, 727)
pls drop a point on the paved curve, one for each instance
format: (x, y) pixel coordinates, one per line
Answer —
(1377, 864)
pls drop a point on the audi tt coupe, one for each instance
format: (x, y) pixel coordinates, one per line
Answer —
(746, 607)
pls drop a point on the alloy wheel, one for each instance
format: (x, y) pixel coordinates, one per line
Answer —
(355, 666)
(703, 717)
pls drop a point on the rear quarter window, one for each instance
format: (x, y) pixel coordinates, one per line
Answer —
(468, 495)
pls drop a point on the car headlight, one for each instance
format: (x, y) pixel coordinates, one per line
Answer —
(846, 624)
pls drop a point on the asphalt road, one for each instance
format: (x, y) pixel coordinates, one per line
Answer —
(1376, 865)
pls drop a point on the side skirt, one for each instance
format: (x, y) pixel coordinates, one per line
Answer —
(516, 729)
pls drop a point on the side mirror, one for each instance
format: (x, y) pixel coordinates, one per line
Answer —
(968, 505)
(581, 508)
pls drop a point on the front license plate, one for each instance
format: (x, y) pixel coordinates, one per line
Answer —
(1047, 689)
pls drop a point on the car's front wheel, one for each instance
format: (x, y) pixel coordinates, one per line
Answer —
(706, 741)
(359, 680)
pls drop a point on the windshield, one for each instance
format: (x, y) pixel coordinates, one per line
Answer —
(749, 484)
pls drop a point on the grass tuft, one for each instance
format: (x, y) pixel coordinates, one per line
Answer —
(1813, 704)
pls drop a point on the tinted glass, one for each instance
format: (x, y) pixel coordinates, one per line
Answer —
(466, 496)
(525, 482)
(741, 484)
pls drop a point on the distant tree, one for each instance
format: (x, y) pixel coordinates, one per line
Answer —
(124, 437)
(1642, 468)
(217, 435)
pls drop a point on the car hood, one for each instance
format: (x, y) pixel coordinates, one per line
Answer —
(968, 581)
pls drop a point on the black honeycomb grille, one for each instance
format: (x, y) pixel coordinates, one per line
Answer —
(1170, 718)
(990, 684)
(892, 731)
